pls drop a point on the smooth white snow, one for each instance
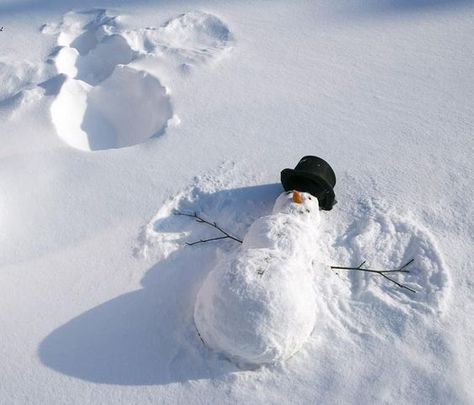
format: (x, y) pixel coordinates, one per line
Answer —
(97, 287)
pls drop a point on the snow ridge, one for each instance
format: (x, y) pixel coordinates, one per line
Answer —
(106, 101)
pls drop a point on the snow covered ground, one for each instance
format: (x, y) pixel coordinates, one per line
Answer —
(113, 114)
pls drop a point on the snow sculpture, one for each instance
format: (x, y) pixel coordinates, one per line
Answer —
(258, 305)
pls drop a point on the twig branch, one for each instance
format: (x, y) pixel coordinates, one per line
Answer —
(212, 224)
(382, 273)
(226, 235)
(205, 240)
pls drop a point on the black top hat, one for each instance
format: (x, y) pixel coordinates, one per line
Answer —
(312, 175)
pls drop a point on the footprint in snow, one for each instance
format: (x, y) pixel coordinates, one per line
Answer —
(104, 102)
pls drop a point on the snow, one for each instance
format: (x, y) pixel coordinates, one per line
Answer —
(128, 108)
(258, 305)
(114, 115)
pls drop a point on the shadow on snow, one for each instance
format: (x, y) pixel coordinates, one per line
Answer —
(148, 337)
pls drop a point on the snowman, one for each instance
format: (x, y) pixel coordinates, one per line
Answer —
(258, 305)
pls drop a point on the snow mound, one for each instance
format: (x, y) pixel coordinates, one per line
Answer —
(90, 46)
(195, 30)
(258, 305)
(96, 65)
(192, 37)
(126, 109)
(103, 104)
(83, 30)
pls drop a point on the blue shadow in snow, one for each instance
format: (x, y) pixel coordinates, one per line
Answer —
(62, 6)
(404, 6)
(417, 4)
(148, 337)
(357, 7)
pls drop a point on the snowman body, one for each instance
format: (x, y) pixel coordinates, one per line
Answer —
(258, 305)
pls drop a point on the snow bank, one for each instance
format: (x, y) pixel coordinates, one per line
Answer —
(108, 103)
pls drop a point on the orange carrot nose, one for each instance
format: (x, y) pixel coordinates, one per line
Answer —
(297, 197)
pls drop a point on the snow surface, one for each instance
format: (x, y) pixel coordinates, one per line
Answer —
(113, 115)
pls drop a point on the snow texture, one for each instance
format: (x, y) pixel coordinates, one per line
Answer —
(103, 103)
(113, 118)
(258, 305)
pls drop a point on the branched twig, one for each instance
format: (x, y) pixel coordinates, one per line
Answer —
(382, 273)
(213, 224)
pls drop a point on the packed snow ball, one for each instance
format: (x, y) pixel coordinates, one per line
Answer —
(258, 306)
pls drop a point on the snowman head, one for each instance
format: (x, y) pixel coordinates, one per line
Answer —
(297, 203)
